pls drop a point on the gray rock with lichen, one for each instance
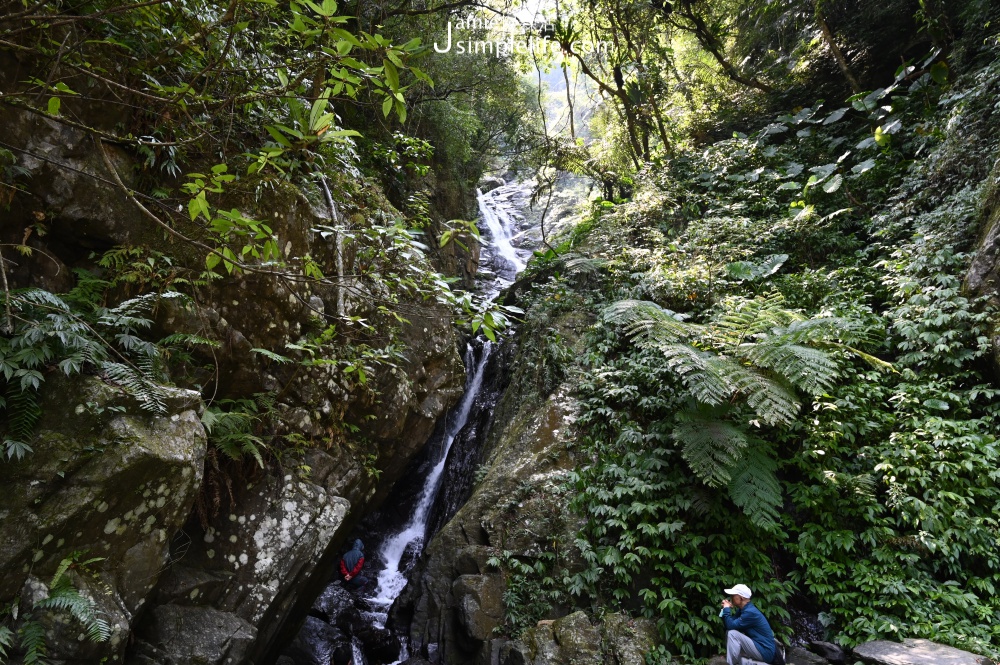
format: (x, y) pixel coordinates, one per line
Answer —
(108, 481)
(915, 652)
(194, 636)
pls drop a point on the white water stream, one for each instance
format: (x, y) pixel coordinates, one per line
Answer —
(498, 213)
(500, 216)
(391, 579)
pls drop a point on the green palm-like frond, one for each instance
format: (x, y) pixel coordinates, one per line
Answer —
(756, 353)
(700, 371)
(710, 446)
(809, 369)
(654, 324)
(755, 488)
(769, 396)
(742, 320)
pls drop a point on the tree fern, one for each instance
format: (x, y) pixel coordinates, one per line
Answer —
(710, 446)
(755, 353)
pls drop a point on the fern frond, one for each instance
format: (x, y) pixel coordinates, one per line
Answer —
(577, 263)
(6, 640)
(231, 432)
(699, 371)
(149, 395)
(743, 319)
(33, 296)
(755, 488)
(807, 368)
(711, 447)
(32, 635)
(23, 412)
(769, 397)
(271, 355)
(188, 340)
(641, 317)
(64, 597)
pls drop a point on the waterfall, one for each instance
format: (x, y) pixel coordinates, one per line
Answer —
(392, 579)
(401, 546)
(497, 212)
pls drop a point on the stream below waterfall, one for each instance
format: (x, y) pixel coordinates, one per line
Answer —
(395, 537)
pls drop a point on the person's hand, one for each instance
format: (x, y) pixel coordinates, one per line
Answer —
(726, 603)
(348, 576)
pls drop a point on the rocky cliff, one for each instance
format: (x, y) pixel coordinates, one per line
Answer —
(203, 559)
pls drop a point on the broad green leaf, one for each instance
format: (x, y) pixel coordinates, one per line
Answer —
(54, 104)
(939, 72)
(833, 184)
(391, 75)
(835, 116)
(866, 165)
(387, 106)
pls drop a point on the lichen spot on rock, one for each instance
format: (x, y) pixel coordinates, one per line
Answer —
(112, 525)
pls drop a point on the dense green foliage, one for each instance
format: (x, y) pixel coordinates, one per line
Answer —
(794, 389)
(786, 385)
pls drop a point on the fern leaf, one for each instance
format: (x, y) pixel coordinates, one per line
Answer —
(769, 397)
(711, 447)
(149, 395)
(808, 369)
(32, 635)
(188, 340)
(699, 371)
(755, 488)
(640, 317)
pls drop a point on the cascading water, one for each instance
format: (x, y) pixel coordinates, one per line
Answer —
(500, 216)
(399, 549)
(392, 578)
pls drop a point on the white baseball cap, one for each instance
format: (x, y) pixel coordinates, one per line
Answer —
(739, 590)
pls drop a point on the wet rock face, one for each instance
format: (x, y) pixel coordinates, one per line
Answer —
(983, 277)
(106, 480)
(122, 486)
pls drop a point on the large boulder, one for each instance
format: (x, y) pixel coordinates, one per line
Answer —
(263, 542)
(575, 640)
(915, 652)
(181, 635)
(108, 482)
